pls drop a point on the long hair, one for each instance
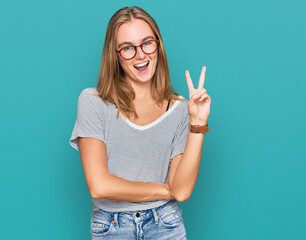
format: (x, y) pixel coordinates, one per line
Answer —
(112, 85)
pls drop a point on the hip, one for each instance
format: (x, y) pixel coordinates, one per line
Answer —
(163, 222)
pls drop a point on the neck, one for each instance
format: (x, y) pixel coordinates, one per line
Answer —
(142, 90)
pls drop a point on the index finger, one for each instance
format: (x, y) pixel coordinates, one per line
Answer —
(189, 81)
(202, 78)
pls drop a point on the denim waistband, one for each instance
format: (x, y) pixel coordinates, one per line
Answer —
(141, 215)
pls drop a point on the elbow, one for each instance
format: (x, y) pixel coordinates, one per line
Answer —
(96, 192)
(98, 188)
(181, 196)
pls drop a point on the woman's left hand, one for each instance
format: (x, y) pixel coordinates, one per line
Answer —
(199, 101)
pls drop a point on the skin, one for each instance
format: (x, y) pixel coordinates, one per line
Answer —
(199, 101)
(185, 165)
(183, 169)
(134, 31)
(100, 182)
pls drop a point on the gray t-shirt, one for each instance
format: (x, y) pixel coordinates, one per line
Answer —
(135, 153)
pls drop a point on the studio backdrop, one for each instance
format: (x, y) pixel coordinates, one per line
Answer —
(252, 177)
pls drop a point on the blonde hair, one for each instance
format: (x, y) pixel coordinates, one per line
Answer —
(112, 85)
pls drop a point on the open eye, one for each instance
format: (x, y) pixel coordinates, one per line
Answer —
(147, 43)
(127, 48)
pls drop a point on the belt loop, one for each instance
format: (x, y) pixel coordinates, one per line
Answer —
(155, 215)
(116, 220)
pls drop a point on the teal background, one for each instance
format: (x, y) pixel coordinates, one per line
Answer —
(252, 178)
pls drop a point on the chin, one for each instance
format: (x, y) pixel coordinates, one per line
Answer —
(143, 79)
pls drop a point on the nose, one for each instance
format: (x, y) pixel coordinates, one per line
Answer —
(139, 53)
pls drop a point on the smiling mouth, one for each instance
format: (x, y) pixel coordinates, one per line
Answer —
(142, 67)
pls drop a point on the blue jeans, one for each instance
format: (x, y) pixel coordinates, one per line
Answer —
(161, 223)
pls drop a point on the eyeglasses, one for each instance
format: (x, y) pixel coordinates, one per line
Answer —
(129, 52)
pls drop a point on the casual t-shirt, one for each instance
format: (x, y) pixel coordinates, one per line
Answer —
(135, 153)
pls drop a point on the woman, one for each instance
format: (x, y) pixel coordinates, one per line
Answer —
(139, 155)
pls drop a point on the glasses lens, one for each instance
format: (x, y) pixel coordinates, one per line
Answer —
(149, 46)
(128, 52)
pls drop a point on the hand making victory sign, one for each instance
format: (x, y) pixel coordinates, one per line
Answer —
(199, 101)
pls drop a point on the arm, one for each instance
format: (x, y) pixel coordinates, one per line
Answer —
(184, 168)
(102, 184)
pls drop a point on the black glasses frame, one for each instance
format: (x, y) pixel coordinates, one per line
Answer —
(141, 45)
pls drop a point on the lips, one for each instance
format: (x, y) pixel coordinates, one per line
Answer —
(142, 67)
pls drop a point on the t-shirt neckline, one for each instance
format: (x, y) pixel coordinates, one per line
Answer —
(158, 120)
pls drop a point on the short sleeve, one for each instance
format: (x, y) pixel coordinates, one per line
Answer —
(89, 122)
(181, 134)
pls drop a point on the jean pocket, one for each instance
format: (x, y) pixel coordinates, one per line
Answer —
(171, 218)
(101, 223)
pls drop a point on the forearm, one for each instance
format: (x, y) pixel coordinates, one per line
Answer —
(186, 173)
(119, 189)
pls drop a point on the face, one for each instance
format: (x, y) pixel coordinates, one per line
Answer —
(142, 67)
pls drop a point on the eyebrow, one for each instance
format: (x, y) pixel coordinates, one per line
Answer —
(124, 43)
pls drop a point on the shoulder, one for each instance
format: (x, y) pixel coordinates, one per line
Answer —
(89, 101)
(180, 109)
(91, 96)
(88, 93)
(183, 105)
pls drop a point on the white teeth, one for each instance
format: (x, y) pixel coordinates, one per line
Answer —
(141, 64)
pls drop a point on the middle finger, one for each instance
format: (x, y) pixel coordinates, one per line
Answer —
(202, 78)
